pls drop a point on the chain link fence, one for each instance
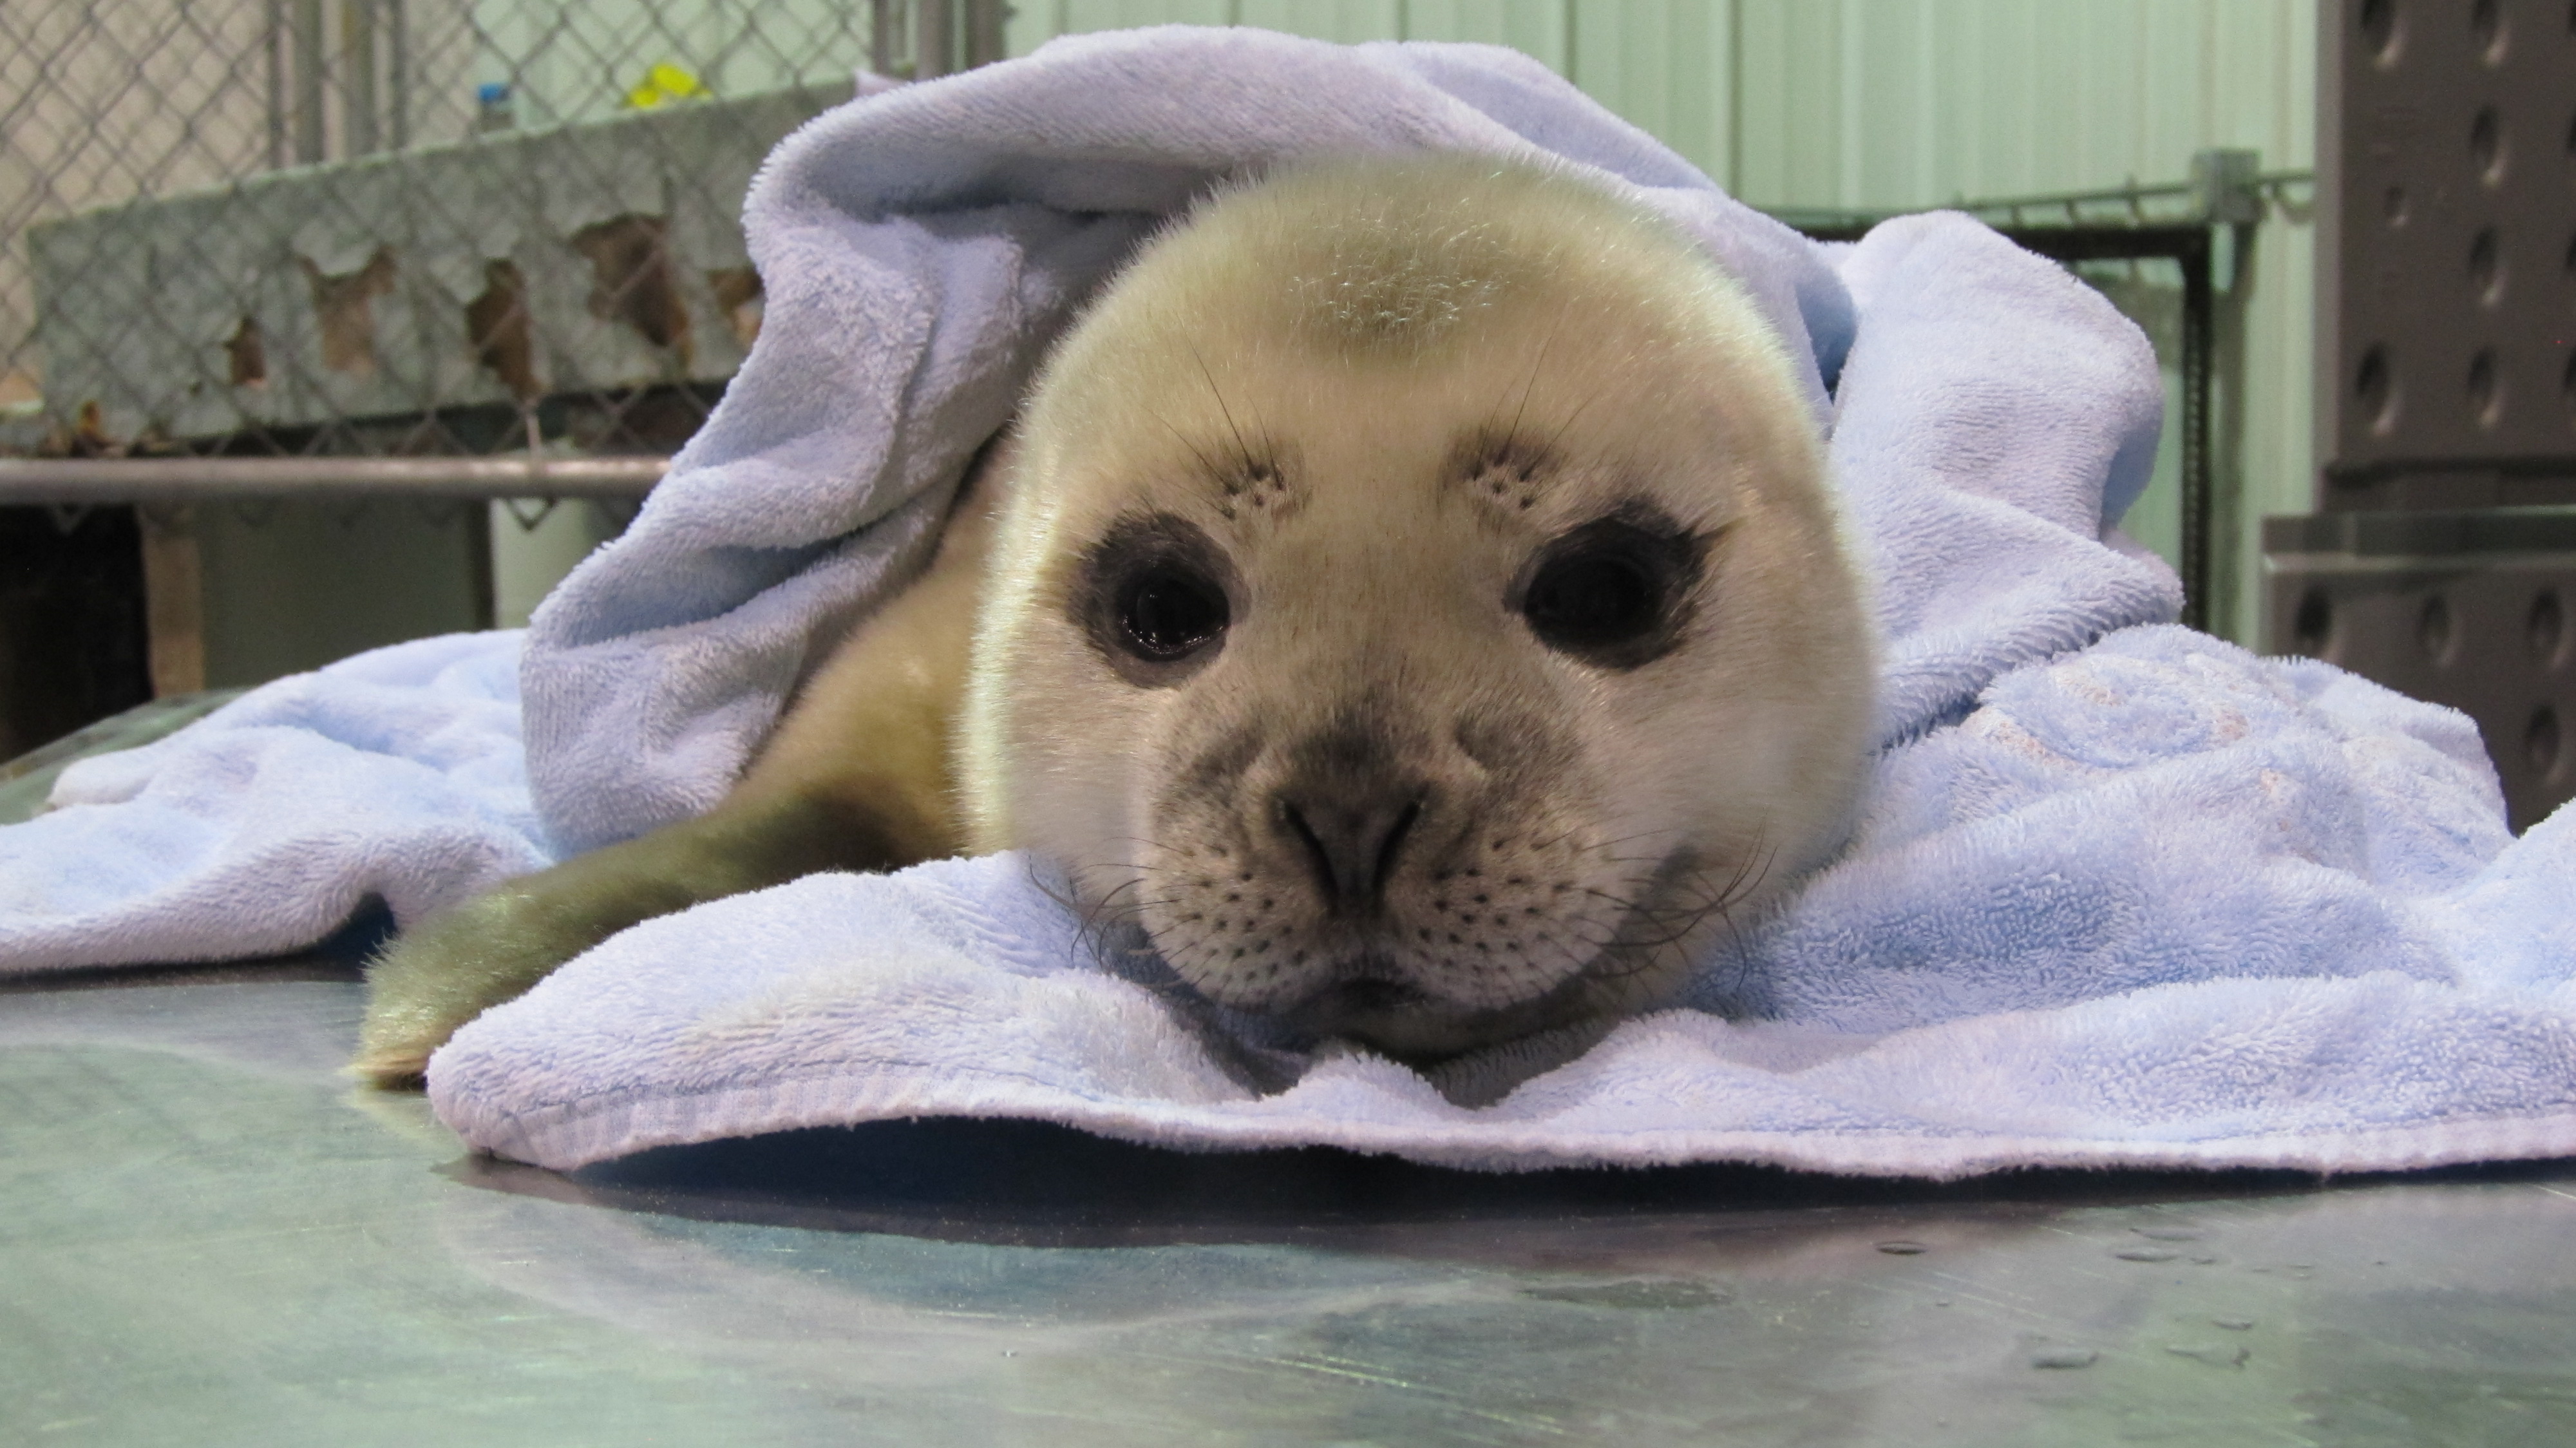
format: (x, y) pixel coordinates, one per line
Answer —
(379, 313)
(288, 228)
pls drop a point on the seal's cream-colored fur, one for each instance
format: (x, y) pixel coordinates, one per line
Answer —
(1379, 803)
(1382, 389)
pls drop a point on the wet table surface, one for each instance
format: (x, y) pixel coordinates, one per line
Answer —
(208, 1236)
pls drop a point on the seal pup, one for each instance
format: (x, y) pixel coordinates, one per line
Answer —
(1412, 594)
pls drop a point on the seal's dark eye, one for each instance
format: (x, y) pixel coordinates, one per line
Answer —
(1614, 592)
(1167, 611)
(1155, 596)
(1584, 603)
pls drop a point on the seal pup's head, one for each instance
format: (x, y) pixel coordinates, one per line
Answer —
(1420, 604)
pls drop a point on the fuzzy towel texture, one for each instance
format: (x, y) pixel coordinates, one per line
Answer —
(2123, 894)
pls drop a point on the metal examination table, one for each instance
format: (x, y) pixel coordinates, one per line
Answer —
(207, 1237)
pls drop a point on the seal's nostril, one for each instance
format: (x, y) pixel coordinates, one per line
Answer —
(1318, 859)
(1391, 846)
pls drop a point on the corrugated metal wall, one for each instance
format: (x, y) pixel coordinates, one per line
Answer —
(1872, 104)
(1896, 103)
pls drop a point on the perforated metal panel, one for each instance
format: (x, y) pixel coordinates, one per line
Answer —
(2447, 253)
(2475, 610)
(2442, 560)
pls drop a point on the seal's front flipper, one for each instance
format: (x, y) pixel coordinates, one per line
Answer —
(856, 777)
(492, 949)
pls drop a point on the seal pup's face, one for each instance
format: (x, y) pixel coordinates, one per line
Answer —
(1419, 604)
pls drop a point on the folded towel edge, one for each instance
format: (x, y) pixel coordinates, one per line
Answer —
(575, 1134)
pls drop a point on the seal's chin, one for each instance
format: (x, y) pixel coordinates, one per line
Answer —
(1415, 1026)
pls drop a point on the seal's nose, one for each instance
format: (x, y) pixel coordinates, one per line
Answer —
(1352, 831)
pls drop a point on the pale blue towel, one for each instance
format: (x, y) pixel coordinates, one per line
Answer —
(263, 827)
(2122, 893)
